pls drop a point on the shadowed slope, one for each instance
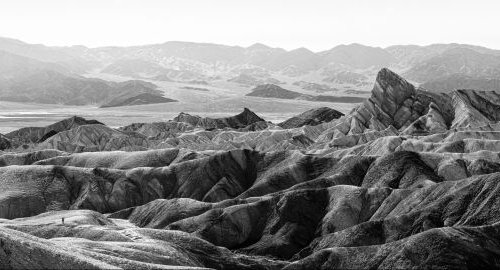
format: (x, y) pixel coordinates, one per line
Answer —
(4, 142)
(241, 120)
(408, 179)
(40, 134)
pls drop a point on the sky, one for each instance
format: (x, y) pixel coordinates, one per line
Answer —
(315, 24)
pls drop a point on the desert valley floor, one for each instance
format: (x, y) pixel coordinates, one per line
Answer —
(407, 179)
(14, 115)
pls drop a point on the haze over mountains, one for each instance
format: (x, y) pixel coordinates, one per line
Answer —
(67, 75)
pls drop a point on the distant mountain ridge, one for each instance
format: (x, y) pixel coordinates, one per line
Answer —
(456, 61)
(44, 74)
(353, 56)
(462, 81)
(275, 91)
(52, 87)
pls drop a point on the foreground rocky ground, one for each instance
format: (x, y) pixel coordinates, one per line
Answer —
(409, 179)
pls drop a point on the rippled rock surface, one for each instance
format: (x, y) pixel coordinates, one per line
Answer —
(408, 179)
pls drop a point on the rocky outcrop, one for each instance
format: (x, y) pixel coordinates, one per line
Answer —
(34, 189)
(436, 248)
(309, 222)
(396, 102)
(312, 117)
(242, 120)
(475, 108)
(396, 108)
(158, 130)
(287, 205)
(41, 134)
(115, 159)
(29, 158)
(96, 137)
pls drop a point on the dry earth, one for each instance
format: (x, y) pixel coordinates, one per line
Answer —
(408, 179)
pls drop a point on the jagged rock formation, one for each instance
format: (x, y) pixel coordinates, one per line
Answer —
(312, 117)
(387, 121)
(40, 134)
(95, 137)
(353, 202)
(241, 120)
(29, 158)
(396, 102)
(159, 129)
(235, 173)
(475, 108)
(408, 179)
(113, 159)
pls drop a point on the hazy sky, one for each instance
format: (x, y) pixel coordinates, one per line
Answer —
(314, 24)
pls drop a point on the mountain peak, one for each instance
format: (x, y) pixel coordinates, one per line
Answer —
(248, 117)
(389, 78)
(389, 93)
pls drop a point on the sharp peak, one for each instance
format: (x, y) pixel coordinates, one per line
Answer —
(248, 111)
(387, 73)
(391, 82)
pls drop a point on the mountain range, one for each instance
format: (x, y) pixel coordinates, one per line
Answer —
(348, 68)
